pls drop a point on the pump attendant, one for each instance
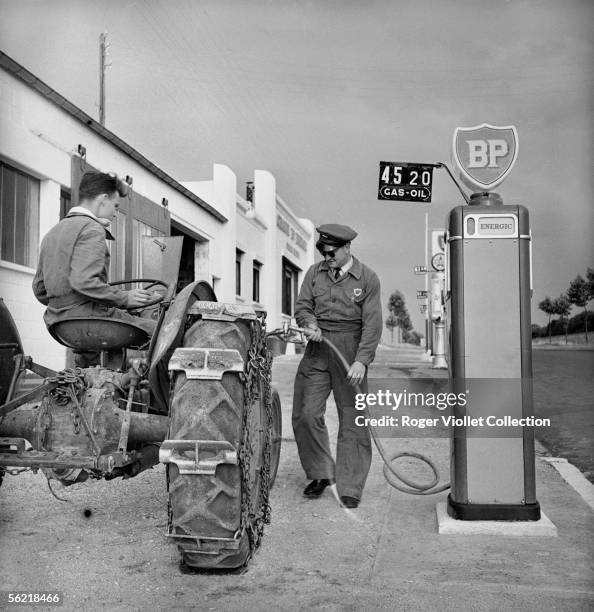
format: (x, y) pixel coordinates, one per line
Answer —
(339, 300)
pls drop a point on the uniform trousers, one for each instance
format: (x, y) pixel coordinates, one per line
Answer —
(320, 372)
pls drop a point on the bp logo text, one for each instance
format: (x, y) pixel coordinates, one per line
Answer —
(485, 154)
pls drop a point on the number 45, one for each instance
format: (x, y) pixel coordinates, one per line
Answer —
(397, 175)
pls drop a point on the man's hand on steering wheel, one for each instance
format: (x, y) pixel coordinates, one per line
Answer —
(142, 298)
(138, 298)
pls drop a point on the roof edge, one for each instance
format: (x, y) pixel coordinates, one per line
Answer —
(29, 79)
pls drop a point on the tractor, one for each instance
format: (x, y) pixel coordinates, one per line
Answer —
(195, 396)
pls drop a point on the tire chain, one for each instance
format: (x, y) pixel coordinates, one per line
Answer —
(70, 388)
(258, 371)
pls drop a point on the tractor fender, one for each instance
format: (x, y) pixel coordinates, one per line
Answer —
(170, 334)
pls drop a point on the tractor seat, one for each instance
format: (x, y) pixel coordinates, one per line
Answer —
(89, 334)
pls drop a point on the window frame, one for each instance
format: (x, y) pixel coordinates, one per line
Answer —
(238, 270)
(23, 252)
(289, 287)
(256, 277)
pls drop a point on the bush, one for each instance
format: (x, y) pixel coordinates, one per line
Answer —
(538, 331)
(413, 338)
(576, 324)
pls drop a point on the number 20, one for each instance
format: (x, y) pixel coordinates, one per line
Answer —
(425, 177)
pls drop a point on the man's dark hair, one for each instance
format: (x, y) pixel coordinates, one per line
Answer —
(93, 184)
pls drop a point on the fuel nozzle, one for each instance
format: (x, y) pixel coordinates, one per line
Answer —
(288, 333)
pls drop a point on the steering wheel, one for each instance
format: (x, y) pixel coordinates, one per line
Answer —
(151, 283)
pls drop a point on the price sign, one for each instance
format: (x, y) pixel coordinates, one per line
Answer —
(420, 269)
(405, 182)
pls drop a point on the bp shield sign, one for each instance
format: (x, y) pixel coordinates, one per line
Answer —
(485, 154)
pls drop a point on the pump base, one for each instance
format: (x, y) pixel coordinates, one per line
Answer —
(493, 512)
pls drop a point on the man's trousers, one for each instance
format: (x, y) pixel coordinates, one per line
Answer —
(320, 372)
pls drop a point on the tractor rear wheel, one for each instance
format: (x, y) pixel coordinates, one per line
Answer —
(218, 518)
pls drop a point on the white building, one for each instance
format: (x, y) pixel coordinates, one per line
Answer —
(254, 250)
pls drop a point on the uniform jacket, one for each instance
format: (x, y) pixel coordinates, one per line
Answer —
(350, 304)
(73, 267)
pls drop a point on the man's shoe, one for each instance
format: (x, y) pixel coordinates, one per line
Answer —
(349, 502)
(316, 487)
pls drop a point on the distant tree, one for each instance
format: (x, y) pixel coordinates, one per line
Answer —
(590, 279)
(580, 292)
(405, 326)
(548, 307)
(396, 303)
(397, 306)
(391, 323)
(562, 307)
(399, 317)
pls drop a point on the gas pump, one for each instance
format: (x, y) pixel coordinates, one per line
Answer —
(489, 292)
(436, 278)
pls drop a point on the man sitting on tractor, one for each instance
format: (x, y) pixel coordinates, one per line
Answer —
(71, 278)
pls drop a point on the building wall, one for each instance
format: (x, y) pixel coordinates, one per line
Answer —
(294, 239)
(41, 139)
(258, 236)
(251, 241)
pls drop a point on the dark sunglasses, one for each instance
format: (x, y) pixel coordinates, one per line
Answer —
(330, 253)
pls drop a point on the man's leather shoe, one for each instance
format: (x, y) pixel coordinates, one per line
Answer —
(316, 487)
(349, 502)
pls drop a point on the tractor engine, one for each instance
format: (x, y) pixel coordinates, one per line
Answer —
(91, 422)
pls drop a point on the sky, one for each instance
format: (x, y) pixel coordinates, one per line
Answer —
(319, 92)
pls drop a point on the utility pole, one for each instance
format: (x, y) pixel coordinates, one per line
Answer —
(102, 66)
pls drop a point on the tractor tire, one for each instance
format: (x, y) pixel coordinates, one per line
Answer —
(205, 511)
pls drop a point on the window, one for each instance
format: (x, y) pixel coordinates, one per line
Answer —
(238, 258)
(249, 191)
(256, 281)
(19, 217)
(289, 287)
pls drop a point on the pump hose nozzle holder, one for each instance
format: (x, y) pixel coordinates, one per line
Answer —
(390, 473)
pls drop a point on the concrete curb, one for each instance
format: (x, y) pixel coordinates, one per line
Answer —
(574, 478)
